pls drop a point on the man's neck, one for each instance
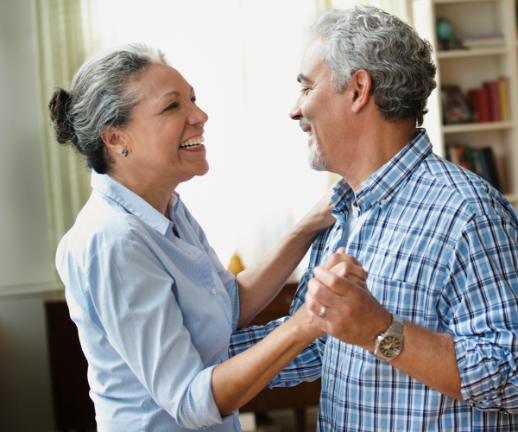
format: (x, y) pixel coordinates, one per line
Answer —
(373, 148)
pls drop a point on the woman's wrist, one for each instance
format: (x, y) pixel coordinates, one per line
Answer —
(303, 327)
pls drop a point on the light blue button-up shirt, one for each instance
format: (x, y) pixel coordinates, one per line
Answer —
(154, 312)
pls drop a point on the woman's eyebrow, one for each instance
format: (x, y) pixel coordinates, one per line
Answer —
(174, 92)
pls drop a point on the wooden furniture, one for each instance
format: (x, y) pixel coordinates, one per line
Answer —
(73, 408)
(469, 68)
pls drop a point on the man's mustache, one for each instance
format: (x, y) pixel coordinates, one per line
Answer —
(304, 123)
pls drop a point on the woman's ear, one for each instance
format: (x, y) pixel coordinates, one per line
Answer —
(360, 87)
(114, 139)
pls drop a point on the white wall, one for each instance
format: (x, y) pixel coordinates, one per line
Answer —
(25, 259)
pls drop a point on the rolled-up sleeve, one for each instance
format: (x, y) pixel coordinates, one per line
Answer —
(481, 297)
(141, 319)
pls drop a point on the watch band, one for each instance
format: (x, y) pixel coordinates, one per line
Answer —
(389, 344)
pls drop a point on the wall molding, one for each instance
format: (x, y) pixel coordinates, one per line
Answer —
(30, 289)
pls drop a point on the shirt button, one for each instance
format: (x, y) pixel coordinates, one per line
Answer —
(383, 202)
(213, 291)
(328, 426)
(331, 377)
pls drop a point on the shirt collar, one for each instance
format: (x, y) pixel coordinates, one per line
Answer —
(134, 204)
(383, 184)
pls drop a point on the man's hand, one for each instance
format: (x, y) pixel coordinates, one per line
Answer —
(346, 265)
(353, 315)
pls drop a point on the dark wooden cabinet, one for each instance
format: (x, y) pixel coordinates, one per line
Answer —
(73, 407)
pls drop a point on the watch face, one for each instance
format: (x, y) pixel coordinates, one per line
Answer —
(390, 346)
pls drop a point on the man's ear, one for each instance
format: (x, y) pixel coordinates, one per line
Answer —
(114, 139)
(360, 89)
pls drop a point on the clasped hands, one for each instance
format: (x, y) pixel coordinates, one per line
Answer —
(352, 313)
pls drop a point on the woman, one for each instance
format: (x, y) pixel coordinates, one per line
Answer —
(154, 306)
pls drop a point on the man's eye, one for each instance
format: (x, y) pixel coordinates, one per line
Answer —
(172, 106)
(305, 89)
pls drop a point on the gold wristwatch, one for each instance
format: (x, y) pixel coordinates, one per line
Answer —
(389, 344)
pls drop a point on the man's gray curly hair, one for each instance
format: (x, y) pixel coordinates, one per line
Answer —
(397, 59)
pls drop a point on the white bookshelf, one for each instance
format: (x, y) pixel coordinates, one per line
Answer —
(469, 69)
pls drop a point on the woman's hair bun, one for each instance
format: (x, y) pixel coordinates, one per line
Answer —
(59, 107)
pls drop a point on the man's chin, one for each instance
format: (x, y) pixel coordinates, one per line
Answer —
(317, 165)
(316, 159)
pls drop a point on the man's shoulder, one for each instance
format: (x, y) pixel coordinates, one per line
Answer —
(459, 190)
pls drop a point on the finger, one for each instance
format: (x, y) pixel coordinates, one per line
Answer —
(358, 281)
(339, 285)
(346, 268)
(313, 308)
(321, 294)
(336, 258)
(340, 250)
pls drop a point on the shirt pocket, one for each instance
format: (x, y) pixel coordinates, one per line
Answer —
(412, 301)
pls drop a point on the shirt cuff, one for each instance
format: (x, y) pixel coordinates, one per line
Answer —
(486, 373)
(198, 409)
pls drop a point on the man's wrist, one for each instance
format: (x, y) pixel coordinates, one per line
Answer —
(383, 323)
(389, 344)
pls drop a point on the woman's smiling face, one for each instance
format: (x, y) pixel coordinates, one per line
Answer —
(165, 134)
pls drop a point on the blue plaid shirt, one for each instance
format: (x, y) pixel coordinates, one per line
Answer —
(441, 248)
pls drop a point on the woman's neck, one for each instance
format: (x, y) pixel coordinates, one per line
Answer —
(151, 188)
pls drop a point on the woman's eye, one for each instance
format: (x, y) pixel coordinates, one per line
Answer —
(193, 100)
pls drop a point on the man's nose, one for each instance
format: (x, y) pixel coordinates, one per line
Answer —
(295, 113)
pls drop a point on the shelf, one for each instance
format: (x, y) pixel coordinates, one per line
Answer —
(461, 53)
(462, 1)
(476, 127)
(512, 198)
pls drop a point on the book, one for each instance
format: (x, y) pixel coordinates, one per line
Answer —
(480, 161)
(464, 157)
(479, 104)
(490, 168)
(494, 100)
(482, 41)
(503, 88)
(454, 106)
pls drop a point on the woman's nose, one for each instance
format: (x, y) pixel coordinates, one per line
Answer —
(198, 116)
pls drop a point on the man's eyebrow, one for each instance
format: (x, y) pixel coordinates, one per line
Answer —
(302, 77)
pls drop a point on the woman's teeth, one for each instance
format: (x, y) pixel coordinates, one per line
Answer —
(193, 142)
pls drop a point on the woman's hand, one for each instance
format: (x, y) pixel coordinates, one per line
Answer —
(260, 283)
(319, 217)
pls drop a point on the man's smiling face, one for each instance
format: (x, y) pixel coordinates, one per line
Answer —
(319, 108)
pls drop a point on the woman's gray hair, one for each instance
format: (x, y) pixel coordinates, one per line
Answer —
(397, 59)
(99, 96)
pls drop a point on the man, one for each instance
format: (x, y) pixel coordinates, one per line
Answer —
(431, 344)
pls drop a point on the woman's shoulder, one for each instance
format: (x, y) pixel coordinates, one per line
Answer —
(101, 224)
